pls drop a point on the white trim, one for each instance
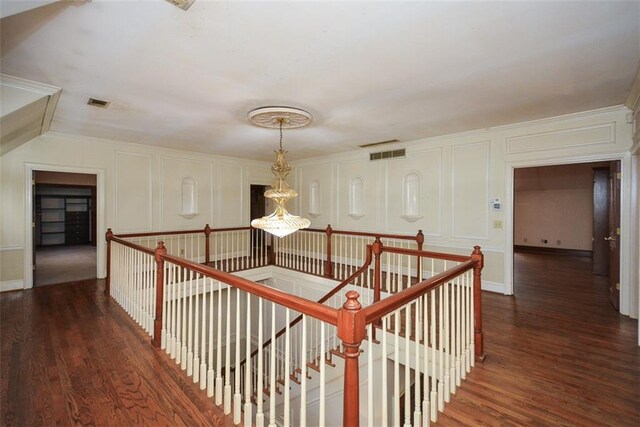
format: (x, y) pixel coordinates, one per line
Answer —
(11, 285)
(625, 215)
(100, 216)
(11, 248)
(496, 287)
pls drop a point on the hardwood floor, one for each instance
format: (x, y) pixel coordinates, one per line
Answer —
(557, 355)
(71, 356)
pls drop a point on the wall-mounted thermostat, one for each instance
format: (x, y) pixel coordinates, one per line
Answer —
(495, 204)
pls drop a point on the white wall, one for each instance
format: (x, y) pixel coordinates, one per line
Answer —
(142, 189)
(460, 173)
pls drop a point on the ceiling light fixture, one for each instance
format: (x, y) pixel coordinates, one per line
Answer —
(280, 223)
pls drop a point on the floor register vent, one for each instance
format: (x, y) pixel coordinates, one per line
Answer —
(387, 154)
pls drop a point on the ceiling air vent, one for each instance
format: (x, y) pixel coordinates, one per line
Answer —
(98, 103)
(387, 154)
(182, 4)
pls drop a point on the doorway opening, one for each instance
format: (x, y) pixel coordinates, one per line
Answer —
(64, 227)
(569, 211)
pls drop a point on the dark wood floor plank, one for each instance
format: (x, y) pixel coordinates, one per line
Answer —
(71, 356)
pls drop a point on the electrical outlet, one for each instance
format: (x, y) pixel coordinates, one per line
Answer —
(545, 241)
(497, 224)
(181, 252)
(559, 242)
(525, 240)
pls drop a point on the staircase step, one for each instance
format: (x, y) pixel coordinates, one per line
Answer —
(312, 365)
(336, 352)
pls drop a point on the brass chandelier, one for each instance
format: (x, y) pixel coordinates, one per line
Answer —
(280, 223)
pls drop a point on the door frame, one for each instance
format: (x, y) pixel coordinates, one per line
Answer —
(626, 238)
(100, 216)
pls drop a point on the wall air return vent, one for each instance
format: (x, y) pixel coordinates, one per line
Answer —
(94, 102)
(387, 154)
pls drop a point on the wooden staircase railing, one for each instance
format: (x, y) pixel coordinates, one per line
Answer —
(440, 309)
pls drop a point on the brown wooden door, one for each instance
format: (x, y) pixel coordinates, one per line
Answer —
(601, 204)
(614, 234)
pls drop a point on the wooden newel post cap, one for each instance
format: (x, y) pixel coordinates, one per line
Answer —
(329, 230)
(207, 230)
(160, 249)
(108, 234)
(352, 302)
(477, 254)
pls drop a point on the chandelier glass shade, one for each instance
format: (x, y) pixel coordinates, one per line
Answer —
(280, 223)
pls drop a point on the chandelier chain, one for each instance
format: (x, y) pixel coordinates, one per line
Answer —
(281, 120)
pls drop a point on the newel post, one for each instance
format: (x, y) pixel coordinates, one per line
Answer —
(478, 256)
(207, 249)
(107, 283)
(419, 242)
(328, 266)
(352, 331)
(157, 322)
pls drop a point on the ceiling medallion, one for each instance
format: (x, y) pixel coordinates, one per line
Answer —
(275, 117)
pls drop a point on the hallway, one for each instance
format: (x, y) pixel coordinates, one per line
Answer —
(558, 354)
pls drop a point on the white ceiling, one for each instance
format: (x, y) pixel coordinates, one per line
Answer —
(367, 71)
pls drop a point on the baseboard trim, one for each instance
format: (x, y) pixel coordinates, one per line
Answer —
(552, 251)
(493, 287)
(11, 285)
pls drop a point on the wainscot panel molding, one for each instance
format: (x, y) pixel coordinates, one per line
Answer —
(470, 174)
(134, 192)
(603, 134)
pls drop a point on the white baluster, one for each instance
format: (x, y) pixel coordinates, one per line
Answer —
(203, 338)
(180, 307)
(218, 392)
(259, 385)
(425, 341)
(272, 370)
(210, 370)
(227, 355)
(434, 391)
(385, 399)
(247, 368)
(237, 397)
(396, 370)
(303, 375)
(287, 369)
(196, 333)
(370, 402)
(190, 326)
(323, 368)
(447, 341)
(407, 366)
(417, 414)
